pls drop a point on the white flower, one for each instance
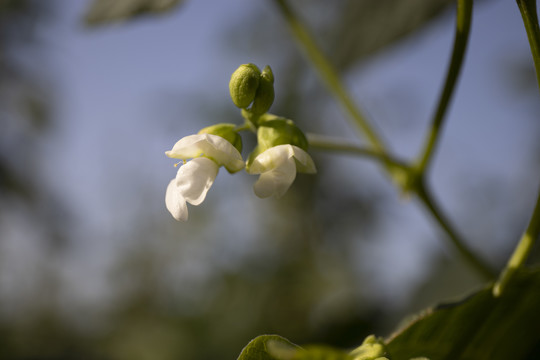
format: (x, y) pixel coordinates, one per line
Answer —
(278, 167)
(195, 177)
(211, 146)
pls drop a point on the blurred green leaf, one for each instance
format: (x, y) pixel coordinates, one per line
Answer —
(268, 347)
(479, 327)
(366, 26)
(274, 347)
(106, 11)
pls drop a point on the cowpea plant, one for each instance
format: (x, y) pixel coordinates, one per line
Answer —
(501, 321)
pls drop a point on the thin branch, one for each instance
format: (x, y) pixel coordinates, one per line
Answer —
(521, 251)
(328, 74)
(425, 197)
(529, 237)
(428, 201)
(324, 142)
(530, 20)
(333, 82)
(463, 26)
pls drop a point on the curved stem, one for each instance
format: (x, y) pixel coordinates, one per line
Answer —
(428, 201)
(334, 83)
(247, 126)
(525, 244)
(530, 20)
(339, 145)
(463, 26)
(521, 251)
(328, 74)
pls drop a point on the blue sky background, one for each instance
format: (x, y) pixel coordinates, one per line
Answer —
(126, 92)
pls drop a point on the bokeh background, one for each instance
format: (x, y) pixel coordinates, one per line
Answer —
(92, 266)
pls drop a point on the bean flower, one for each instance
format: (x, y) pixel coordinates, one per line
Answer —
(195, 177)
(277, 167)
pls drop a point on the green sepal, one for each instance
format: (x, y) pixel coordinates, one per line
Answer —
(251, 118)
(226, 131)
(252, 157)
(274, 131)
(244, 84)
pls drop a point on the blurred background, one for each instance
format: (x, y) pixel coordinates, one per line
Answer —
(92, 266)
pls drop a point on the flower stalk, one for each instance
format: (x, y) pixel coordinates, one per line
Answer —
(412, 179)
(529, 237)
(327, 143)
(324, 142)
(530, 20)
(522, 250)
(463, 26)
(329, 75)
(457, 241)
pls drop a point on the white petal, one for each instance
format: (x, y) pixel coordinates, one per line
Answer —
(208, 145)
(186, 148)
(195, 178)
(304, 162)
(175, 202)
(276, 181)
(271, 159)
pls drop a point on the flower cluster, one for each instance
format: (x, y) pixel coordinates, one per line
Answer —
(279, 155)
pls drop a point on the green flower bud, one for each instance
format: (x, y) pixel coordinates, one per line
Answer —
(275, 131)
(264, 98)
(244, 84)
(226, 131)
(267, 73)
(371, 349)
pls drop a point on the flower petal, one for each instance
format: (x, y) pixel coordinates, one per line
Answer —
(304, 162)
(195, 178)
(276, 181)
(175, 202)
(186, 148)
(208, 145)
(271, 158)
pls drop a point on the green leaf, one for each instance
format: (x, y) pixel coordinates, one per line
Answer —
(268, 347)
(479, 327)
(366, 26)
(274, 347)
(106, 11)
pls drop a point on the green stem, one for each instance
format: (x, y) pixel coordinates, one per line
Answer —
(328, 75)
(323, 142)
(521, 251)
(338, 145)
(463, 26)
(428, 201)
(530, 20)
(247, 126)
(525, 244)
(333, 82)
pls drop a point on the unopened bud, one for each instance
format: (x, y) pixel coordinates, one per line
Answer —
(264, 98)
(280, 131)
(244, 84)
(371, 349)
